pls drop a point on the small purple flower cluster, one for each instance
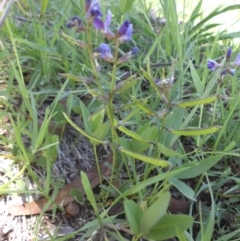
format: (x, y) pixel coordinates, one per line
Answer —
(229, 68)
(94, 18)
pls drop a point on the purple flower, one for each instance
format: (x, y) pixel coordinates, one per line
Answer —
(229, 71)
(237, 60)
(93, 10)
(134, 50)
(104, 26)
(228, 54)
(125, 31)
(105, 52)
(212, 65)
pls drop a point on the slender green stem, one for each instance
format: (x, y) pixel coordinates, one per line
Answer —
(110, 108)
(97, 163)
(90, 54)
(113, 81)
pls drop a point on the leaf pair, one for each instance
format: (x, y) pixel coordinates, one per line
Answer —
(155, 223)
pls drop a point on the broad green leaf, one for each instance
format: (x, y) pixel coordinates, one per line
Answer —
(97, 118)
(101, 132)
(76, 104)
(58, 113)
(154, 213)
(183, 188)
(148, 134)
(69, 103)
(147, 159)
(133, 213)
(169, 226)
(174, 120)
(196, 131)
(196, 168)
(202, 101)
(167, 151)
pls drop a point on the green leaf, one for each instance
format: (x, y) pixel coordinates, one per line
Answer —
(214, 13)
(97, 118)
(208, 226)
(58, 113)
(101, 132)
(147, 159)
(144, 108)
(154, 213)
(125, 5)
(166, 151)
(174, 120)
(169, 226)
(183, 188)
(75, 102)
(43, 7)
(43, 130)
(196, 131)
(86, 118)
(89, 192)
(202, 101)
(148, 135)
(128, 132)
(196, 12)
(196, 168)
(90, 137)
(141, 185)
(133, 213)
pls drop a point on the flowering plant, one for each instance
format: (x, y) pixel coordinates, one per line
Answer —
(228, 68)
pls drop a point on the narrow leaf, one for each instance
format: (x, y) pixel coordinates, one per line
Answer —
(196, 168)
(43, 7)
(147, 159)
(202, 101)
(196, 131)
(183, 188)
(91, 138)
(167, 151)
(88, 190)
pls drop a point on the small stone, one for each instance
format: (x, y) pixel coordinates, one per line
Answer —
(72, 208)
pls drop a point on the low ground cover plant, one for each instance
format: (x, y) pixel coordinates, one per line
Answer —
(118, 122)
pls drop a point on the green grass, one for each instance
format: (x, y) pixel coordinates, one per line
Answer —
(171, 125)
